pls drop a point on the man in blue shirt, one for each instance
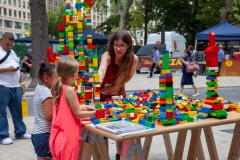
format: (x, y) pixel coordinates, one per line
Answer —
(155, 60)
(220, 57)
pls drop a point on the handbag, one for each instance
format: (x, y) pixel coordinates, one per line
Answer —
(24, 106)
(192, 66)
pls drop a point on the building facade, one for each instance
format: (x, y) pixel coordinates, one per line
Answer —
(14, 17)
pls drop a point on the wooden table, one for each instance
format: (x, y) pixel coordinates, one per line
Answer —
(93, 143)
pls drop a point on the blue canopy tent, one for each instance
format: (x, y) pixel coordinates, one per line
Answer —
(29, 40)
(223, 31)
(96, 38)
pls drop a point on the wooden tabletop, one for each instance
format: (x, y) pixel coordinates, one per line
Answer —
(233, 117)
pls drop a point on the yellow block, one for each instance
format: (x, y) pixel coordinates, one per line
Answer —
(203, 114)
(95, 62)
(182, 122)
(184, 103)
(96, 78)
(192, 113)
(67, 19)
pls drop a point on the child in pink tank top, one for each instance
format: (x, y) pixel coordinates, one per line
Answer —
(67, 114)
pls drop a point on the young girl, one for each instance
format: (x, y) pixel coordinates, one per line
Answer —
(66, 123)
(187, 77)
(117, 67)
(43, 108)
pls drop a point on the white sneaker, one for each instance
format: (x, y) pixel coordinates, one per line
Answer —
(6, 141)
(26, 136)
(197, 94)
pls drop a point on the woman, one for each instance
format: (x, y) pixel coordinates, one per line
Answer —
(187, 77)
(117, 67)
(26, 64)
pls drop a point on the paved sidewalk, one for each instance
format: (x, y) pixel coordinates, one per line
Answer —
(141, 82)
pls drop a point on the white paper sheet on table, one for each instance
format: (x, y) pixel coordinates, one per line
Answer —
(126, 134)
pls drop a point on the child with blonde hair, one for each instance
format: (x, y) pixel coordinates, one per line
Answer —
(43, 109)
(67, 113)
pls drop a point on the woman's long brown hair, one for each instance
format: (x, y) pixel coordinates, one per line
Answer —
(127, 58)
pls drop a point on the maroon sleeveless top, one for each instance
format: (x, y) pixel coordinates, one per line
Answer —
(110, 76)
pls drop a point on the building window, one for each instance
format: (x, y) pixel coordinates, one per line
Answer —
(15, 13)
(24, 15)
(5, 11)
(19, 3)
(19, 14)
(26, 26)
(0, 23)
(9, 2)
(29, 16)
(18, 35)
(8, 24)
(9, 12)
(18, 25)
(28, 5)
(14, 2)
(23, 4)
(4, 1)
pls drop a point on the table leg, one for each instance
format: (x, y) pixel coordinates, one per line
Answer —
(179, 145)
(138, 151)
(210, 143)
(168, 145)
(146, 146)
(86, 151)
(194, 143)
(100, 143)
(200, 153)
(235, 145)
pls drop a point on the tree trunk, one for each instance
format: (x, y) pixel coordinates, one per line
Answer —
(227, 10)
(39, 35)
(123, 11)
(146, 21)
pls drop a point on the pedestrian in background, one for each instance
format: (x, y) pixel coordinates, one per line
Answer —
(10, 91)
(220, 57)
(156, 57)
(192, 51)
(187, 78)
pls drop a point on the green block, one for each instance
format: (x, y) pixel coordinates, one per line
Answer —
(98, 106)
(61, 34)
(113, 119)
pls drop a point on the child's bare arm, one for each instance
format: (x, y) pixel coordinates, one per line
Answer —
(73, 103)
(48, 109)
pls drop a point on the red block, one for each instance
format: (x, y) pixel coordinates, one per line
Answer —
(61, 27)
(66, 49)
(169, 115)
(100, 113)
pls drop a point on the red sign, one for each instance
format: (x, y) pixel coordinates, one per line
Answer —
(146, 62)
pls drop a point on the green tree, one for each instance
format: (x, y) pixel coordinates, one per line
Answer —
(120, 7)
(39, 34)
(123, 9)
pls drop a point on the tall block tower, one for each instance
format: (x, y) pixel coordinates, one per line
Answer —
(212, 98)
(166, 93)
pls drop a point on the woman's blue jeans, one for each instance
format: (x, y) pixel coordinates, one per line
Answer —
(12, 98)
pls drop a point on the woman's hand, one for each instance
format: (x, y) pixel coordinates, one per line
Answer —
(108, 90)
